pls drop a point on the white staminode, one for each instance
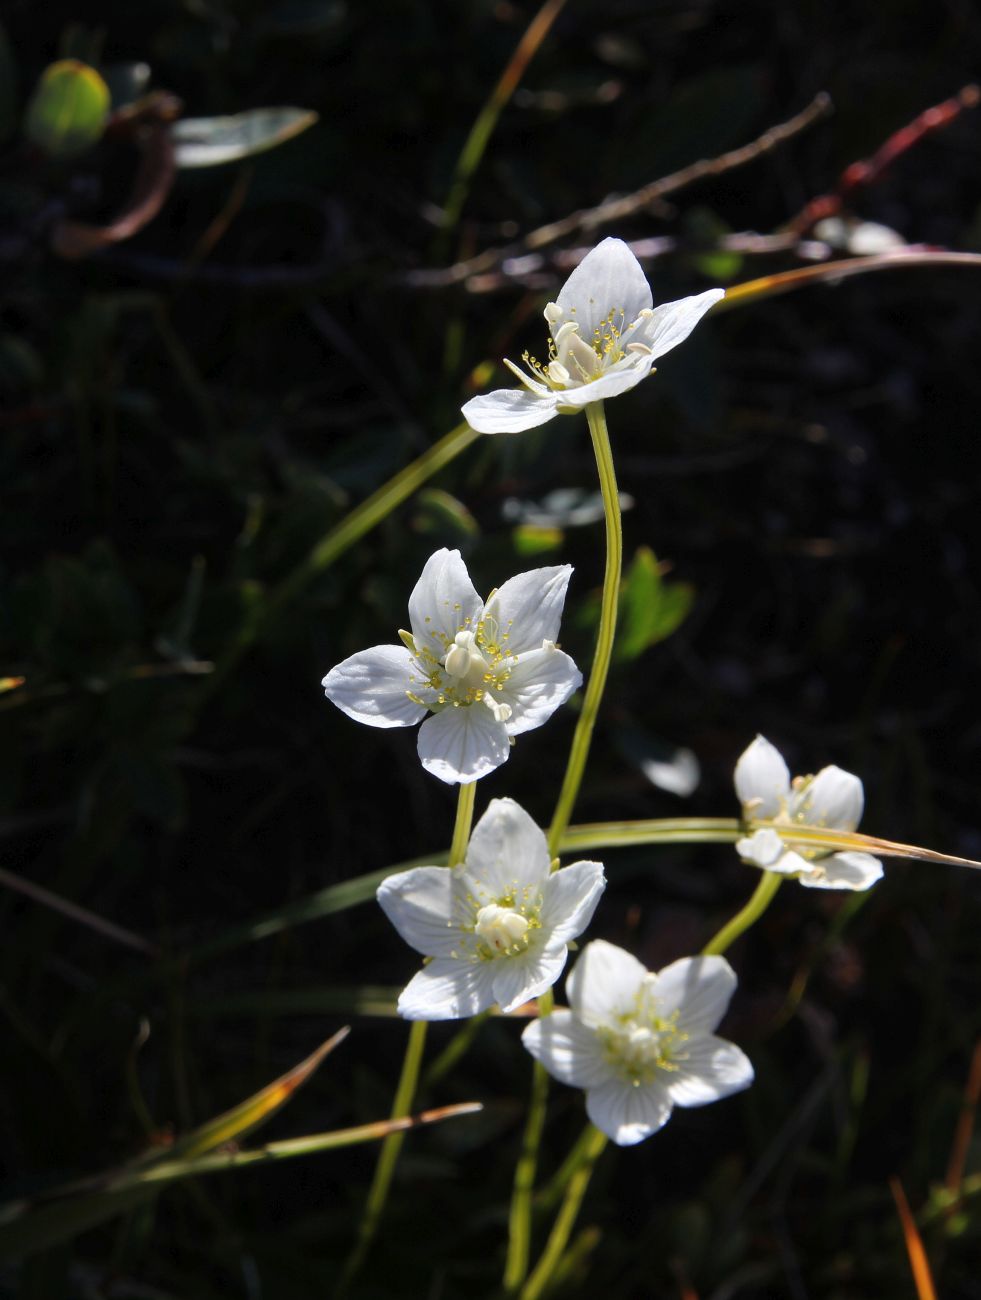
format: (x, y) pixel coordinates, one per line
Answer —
(641, 1042)
(486, 672)
(497, 927)
(833, 800)
(605, 335)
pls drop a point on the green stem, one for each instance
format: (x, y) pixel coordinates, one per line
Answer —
(465, 796)
(754, 909)
(351, 529)
(408, 1081)
(566, 1218)
(607, 628)
(519, 1219)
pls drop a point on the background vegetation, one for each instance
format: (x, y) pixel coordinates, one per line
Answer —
(186, 414)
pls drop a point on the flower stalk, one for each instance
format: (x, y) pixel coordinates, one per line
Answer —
(607, 629)
(591, 1147)
(761, 899)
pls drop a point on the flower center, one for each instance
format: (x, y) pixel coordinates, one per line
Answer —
(504, 930)
(642, 1044)
(472, 668)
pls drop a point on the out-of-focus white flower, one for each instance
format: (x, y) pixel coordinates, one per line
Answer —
(486, 672)
(833, 799)
(641, 1042)
(605, 336)
(498, 927)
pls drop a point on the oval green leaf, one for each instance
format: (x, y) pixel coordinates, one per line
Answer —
(67, 112)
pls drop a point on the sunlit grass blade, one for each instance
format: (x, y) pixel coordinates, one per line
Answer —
(253, 1112)
(27, 1227)
(919, 1264)
(726, 830)
(770, 286)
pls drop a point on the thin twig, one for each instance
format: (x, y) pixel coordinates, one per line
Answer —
(82, 915)
(617, 209)
(868, 171)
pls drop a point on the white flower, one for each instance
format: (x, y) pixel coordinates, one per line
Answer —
(833, 799)
(605, 336)
(641, 1042)
(486, 672)
(497, 927)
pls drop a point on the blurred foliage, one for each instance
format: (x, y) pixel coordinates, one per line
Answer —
(185, 415)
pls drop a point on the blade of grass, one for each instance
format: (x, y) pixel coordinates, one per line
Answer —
(483, 127)
(27, 1227)
(918, 1262)
(770, 286)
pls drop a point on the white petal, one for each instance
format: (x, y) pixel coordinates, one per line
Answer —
(540, 681)
(604, 983)
(517, 979)
(527, 609)
(506, 849)
(762, 779)
(698, 988)
(568, 1050)
(421, 906)
(460, 745)
(713, 1069)
(628, 1114)
(371, 687)
(447, 990)
(618, 379)
(834, 798)
(764, 848)
(571, 895)
(672, 322)
(608, 280)
(442, 602)
(856, 871)
(509, 410)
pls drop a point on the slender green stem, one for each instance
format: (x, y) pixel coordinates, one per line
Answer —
(607, 628)
(519, 1219)
(566, 1218)
(466, 794)
(747, 916)
(408, 1081)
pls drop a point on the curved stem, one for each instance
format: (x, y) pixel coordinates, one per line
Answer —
(607, 628)
(408, 1080)
(519, 1219)
(565, 1220)
(747, 916)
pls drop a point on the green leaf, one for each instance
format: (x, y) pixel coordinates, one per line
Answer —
(531, 539)
(210, 141)
(67, 112)
(650, 608)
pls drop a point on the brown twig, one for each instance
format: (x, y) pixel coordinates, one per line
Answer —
(868, 171)
(617, 209)
(108, 929)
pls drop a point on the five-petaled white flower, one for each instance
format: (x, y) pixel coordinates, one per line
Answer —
(641, 1042)
(605, 336)
(833, 799)
(498, 926)
(486, 672)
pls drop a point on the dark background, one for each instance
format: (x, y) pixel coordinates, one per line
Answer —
(185, 416)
